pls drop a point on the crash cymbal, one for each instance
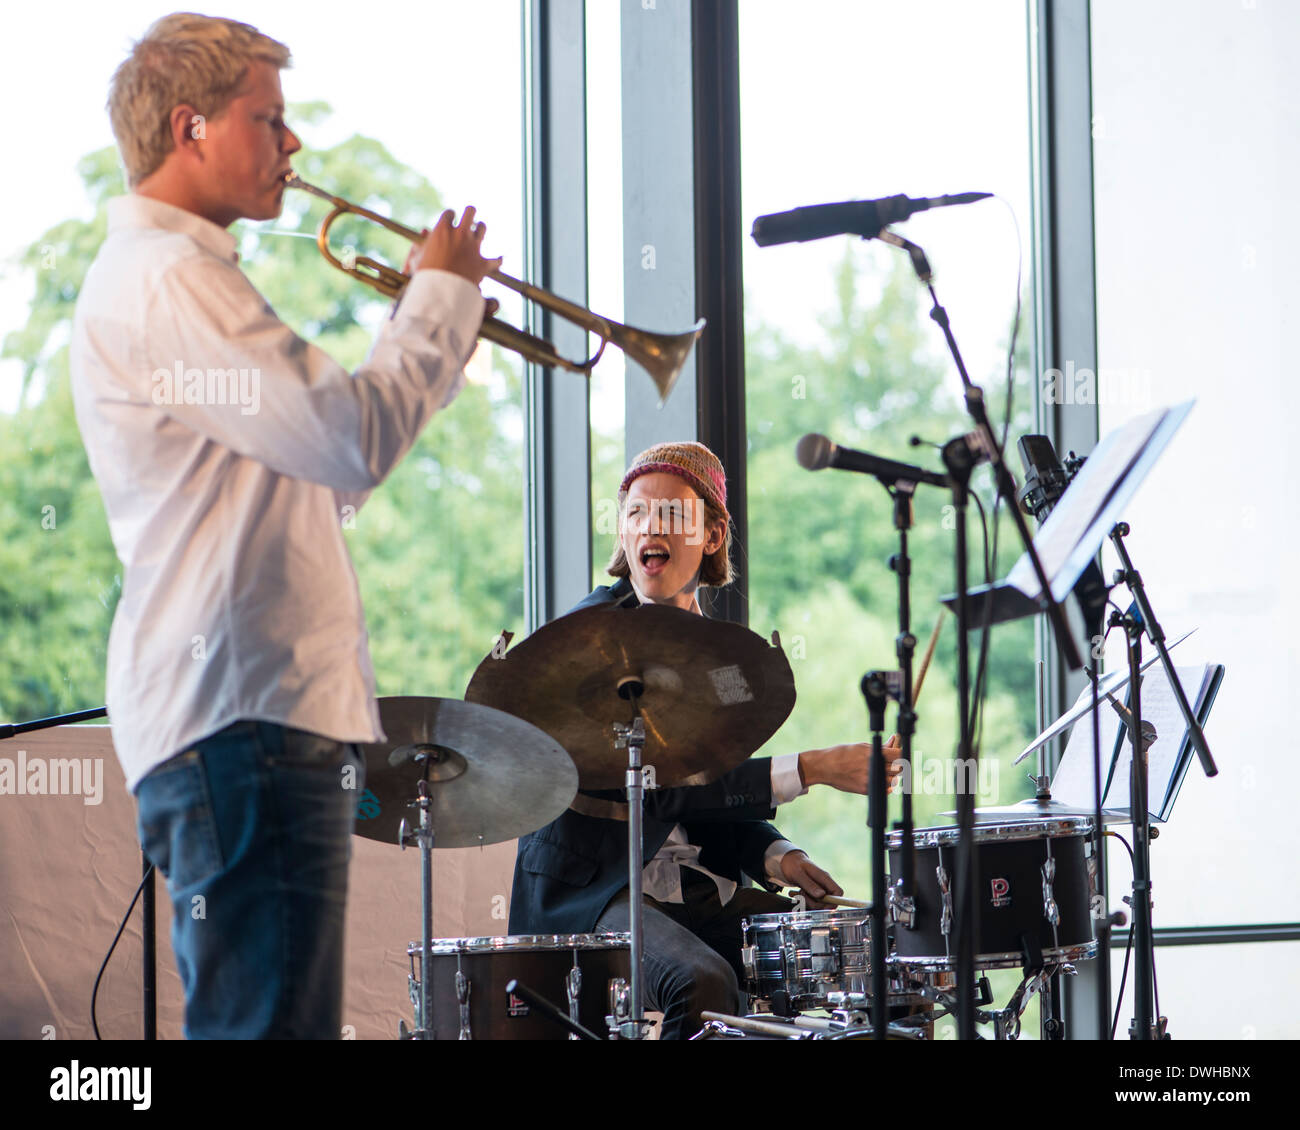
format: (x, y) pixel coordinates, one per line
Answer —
(493, 777)
(713, 691)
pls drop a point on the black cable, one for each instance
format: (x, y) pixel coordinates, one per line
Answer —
(1128, 949)
(976, 727)
(991, 556)
(125, 919)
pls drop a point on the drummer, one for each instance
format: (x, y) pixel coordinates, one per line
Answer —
(571, 876)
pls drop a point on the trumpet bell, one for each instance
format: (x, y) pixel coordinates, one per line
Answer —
(662, 356)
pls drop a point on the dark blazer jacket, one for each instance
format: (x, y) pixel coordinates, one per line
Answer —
(567, 873)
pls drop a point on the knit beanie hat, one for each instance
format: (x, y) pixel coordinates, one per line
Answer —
(693, 462)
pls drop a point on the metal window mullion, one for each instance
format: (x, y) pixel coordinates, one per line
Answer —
(719, 281)
(1066, 318)
(558, 483)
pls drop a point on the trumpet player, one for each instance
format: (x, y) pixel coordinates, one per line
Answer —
(239, 677)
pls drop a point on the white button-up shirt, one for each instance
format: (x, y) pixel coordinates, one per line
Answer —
(226, 447)
(662, 877)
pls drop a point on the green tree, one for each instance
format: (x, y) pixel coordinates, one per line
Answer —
(819, 545)
(438, 548)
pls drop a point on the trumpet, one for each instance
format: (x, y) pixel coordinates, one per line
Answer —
(661, 355)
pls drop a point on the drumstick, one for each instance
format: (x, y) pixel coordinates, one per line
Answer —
(840, 900)
(929, 654)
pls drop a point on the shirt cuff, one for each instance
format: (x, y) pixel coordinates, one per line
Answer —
(786, 784)
(444, 297)
(772, 860)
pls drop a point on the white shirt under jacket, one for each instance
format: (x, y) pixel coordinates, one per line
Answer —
(224, 494)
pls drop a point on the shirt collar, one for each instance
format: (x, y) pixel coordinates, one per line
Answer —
(625, 596)
(135, 211)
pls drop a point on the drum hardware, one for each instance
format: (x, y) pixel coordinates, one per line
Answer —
(902, 908)
(632, 738)
(573, 990)
(620, 1007)
(849, 1027)
(462, 998)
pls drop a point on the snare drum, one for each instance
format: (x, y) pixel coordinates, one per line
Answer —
(796, 959)
(584, 974)
(1034, 883)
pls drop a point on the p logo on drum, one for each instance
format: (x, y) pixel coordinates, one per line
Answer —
(1001, 892)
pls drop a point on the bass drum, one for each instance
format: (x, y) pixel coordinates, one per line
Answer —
(584, 974)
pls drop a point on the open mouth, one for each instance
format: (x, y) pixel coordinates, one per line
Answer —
(654, 559)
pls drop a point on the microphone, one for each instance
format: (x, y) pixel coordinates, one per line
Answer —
(1149, 733)
(1045, 482)
(816, 453)
(851, 217)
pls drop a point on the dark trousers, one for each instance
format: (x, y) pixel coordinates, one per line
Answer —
(691, 958)
(252, 829)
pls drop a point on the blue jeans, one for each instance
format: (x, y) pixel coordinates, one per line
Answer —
(252, 828)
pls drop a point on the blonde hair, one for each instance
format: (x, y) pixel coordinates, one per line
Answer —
(183, 58)
(715, 570)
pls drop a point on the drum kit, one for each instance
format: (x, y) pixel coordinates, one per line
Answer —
(658, 697)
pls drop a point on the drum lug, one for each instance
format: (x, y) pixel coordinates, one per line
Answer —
(413, 989)
(902, 908)
(749, 959)
(945, 892)
(1050, 910)
(824, 953)
(620, 998)
(573, 990)
(462, 996)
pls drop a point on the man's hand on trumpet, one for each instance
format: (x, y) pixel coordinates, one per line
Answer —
(847, 767)
(454, 247)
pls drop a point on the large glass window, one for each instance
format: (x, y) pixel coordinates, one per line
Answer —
(1193, 140)
(439, 548)
(840, 104)
(605, 271)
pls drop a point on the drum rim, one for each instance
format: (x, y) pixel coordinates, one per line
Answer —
(1058, 827)
(540, 943)
(835, 916)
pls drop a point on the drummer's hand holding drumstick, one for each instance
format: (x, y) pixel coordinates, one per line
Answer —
(847, 767)
(802, 872)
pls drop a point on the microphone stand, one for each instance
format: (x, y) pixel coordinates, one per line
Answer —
(959, 460)
(148, 906)
(1140, 618)
(960, 466)
(901, 481)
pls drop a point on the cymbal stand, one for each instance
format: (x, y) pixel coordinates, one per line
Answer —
(423, 836)
(631, 736)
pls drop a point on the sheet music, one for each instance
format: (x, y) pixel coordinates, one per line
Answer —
(1073, 783)
(1084, 499)
(1111, 681)
(1160, 708)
